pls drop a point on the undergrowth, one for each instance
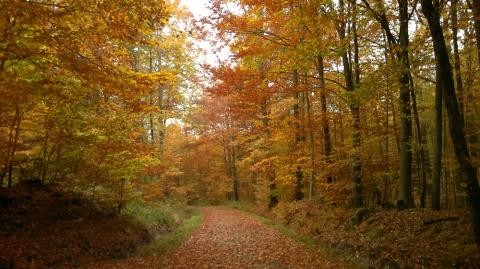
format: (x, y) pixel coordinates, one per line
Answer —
(168, 223)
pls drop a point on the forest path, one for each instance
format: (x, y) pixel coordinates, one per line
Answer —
(230, 238)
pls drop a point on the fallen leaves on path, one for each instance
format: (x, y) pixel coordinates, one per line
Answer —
(230, 238)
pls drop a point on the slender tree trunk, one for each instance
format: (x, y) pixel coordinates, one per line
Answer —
(121, 198)
(388, 57)
(437, 147)
(357, 161)
(254, 179)
(150, 115)
(456, 57)
(162, 119)
(357, 197)
(405, 198)
(9, 146)
(312, 147)
(356, 56)
(234, 170)
(45, 158)
(327, 141)
(226, 157)
(476, 20)
(422, 163)
(151, 126)
(387, 171)
(12, 146)
(459, 83)
(298, 137)
(10, 175)
(270, 171)
(386, 177)
(455, 119)
(471, 104)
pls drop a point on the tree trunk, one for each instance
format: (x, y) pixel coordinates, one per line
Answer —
(476, 15)
(456, 57)
(459, 86)
(150, 115)
(327, 141)
(10, 175)
(437, 147)
(9, 146)
(13, 145)
(357, 159)
(422, 163)
(357, 197)
(162, 119)
(121, 196)
(298, 137)
(386, 177)
(270, 171)
(234, 170)
(405, 198)
(44, 152)
(312, 146)
(455, 119)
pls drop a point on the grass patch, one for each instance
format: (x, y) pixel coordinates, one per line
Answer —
(150, 215)
(169, 224)
(169, 241)
(286, 230)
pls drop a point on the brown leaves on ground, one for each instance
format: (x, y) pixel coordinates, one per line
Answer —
(414, 238)
(230, 238)
(44, 227)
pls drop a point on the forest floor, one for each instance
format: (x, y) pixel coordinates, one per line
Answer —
(42, 226)
(229, 238)
(378, 238)
(45, 227)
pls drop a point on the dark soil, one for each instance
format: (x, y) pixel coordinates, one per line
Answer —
(44, 227)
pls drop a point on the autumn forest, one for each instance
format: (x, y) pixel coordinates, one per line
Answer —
(257, 134)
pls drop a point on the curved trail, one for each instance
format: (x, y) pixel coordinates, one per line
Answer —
(229, 238)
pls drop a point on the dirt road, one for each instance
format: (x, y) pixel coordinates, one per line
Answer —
(229, 238)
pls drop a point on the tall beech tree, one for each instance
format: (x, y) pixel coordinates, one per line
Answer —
(455, 119)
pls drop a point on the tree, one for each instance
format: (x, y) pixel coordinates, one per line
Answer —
(455, 119)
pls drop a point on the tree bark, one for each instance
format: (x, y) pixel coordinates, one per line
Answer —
(312, 146)
(327, 141)
(456, 56)
(357, 197)
(270, 170)
(150, 115)
(437, 147)
(422, 144)
(233, 168)
(405, 198)
(476, 21)
(298, 137)
(12, 146)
